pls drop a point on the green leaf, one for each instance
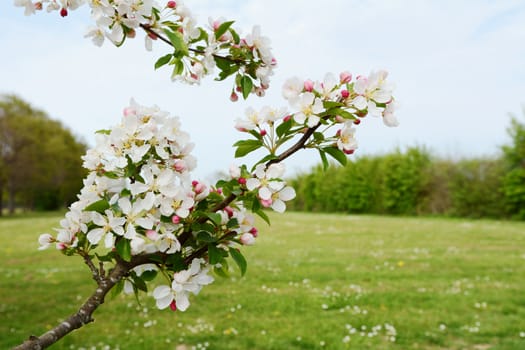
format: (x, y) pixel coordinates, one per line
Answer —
(263, 216)
(139, 283)
(178, 68)
(236, 38)
(223, 63)
(340, 112)
(223, 270)
(284, 127)
(232, 223)
(149, 275)
(163, 60)
(216, 218)
(99, 206)
(246, 146)
(124, 249)
(177, 41)
(318, 136)
(332, 104)
(103, 132)
(246, 86)
(337, 154)
(239, 259)
(205, 236)
(323, 159)
(222, 29)
(216, 255)
(117, 288)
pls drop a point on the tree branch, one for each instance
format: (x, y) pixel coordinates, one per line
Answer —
(84, 315)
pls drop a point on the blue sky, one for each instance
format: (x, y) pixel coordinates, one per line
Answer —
(458, 67)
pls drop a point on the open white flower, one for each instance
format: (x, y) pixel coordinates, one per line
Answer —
(184, 282)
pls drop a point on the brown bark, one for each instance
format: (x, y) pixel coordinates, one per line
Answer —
(83, 316)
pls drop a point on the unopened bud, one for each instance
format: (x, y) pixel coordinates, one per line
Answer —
(287, 118)
(345, 77)
(131, 33)
(173, 305)
(234, 97)
(241, 181)
(349, 151)
(345, 93)
(63, 12)
(308, 85)
(263, 132)
(260, 91)
(175, 219)
(254, 232)
(339, 119)
(171, 4)
(38, 5)
(357, 121)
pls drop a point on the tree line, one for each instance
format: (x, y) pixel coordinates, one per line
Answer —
(415, 182)
(40, 165)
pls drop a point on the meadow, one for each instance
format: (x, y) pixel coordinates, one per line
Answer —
(314, 281)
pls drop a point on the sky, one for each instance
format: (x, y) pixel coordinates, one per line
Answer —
(458, 68)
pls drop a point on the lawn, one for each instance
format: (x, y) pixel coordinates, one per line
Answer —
(313, 282)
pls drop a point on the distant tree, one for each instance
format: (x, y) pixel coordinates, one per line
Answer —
(514, 156)
(40, 163)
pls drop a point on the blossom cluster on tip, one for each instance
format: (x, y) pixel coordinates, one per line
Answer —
(333, 102)
(197, 49)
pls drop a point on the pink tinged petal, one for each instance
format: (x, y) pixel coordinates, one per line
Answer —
(95, 235)
(247, 239)
(45, 241)
(164, 302)
(287, 194)
(182, 301)
(279, 206)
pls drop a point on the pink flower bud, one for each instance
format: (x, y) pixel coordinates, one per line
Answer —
(266, 202)
(173, 305)
(263, 132)
(254, 232)
(61, 246)
(287, 118)
(345, 77)
(199, 188)
(179, 166)
(274, 62)
(241, 181)
(349, 151)
(175, 219)
(338, 133)
(357, 121)
(63, 12)
(229, 211)
(308, 85)
(247, 239)
(219, 190)
(234, 97)
(339, 119)
(345, 93)
(260, 92)
(38, 5)
(194, 183)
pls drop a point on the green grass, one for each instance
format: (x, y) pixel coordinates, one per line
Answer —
(314, 281)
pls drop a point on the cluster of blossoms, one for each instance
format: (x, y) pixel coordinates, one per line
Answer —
(140, 200)
(318, 106)
(197, 50)
(341, 101)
